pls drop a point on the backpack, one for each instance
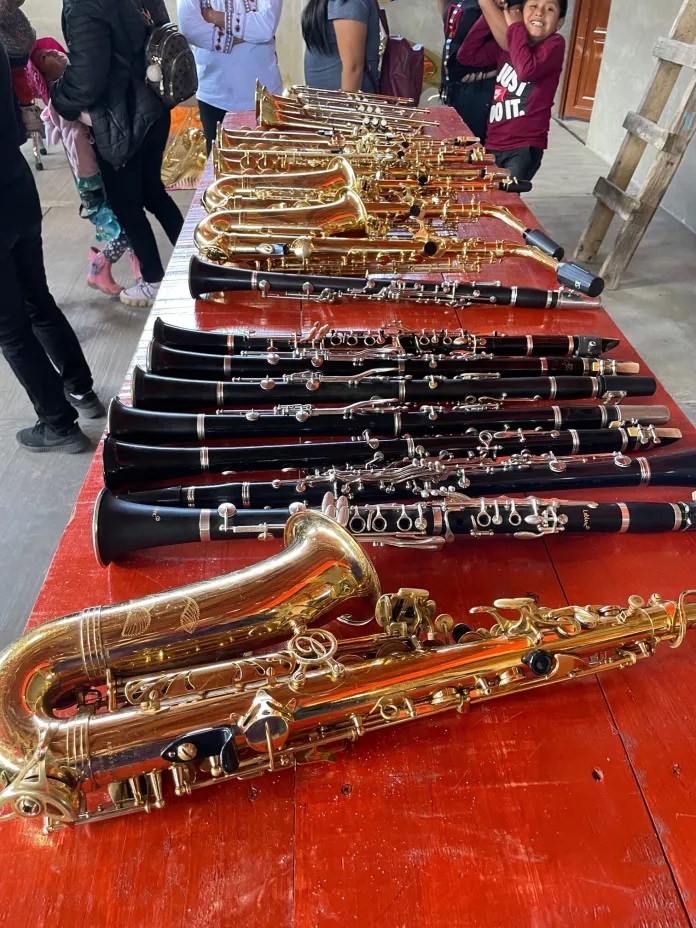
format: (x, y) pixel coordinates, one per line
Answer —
(170, 65)
(403, 64)
(170, 68)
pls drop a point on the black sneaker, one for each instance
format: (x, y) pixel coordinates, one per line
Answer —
(42, 437)
(90, 406)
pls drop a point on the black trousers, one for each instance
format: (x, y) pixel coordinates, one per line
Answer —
(522, 163)
(473, 103)
(136, 187)
(211, 117)
(36, 339)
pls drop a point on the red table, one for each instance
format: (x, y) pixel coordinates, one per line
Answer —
(569, 805)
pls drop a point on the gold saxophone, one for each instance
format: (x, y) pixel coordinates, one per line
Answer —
(97, 706)
(421, 168)
(286, 249)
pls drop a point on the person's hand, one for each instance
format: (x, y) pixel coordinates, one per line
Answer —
(214, 17)
(513, 14)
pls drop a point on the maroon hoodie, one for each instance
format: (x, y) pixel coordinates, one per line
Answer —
(525, 87)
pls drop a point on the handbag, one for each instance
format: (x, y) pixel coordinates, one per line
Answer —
(170, 68)
(403, 65)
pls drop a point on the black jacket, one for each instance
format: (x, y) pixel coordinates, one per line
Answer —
(12, 133)
(106, 76)
(20, 209)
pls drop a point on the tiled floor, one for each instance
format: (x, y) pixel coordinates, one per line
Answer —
(655, 309)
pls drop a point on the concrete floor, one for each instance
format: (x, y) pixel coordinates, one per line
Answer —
(655, 308)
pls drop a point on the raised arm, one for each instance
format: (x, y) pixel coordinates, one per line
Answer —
(479, 49)
(351, 38)
(534, 61)
(86, 77)
(497, 23)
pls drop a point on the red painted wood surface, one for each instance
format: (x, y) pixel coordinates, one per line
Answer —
(570, 805)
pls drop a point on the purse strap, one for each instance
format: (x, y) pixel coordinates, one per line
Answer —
(382, 17)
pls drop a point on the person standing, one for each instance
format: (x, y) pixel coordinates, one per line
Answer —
(523, 43)
(104, 85)
(36, 338)
(342, 45)
(469, 90)
(234, 46)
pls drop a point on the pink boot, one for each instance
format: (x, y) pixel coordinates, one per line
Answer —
(99, 276)
(135, 266)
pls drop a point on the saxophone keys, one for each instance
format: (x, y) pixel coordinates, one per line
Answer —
(183, 777)
(154, 783)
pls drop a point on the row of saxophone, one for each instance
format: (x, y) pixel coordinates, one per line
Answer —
(296, 196)
(108, 711)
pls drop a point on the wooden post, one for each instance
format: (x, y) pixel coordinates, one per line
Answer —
(674, 52)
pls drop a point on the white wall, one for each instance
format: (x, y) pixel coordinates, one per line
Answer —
(627, 65)
(418, 20)
(45, 17)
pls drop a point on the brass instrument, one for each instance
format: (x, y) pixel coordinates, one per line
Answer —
(271, 160)
(232, 195)
(307, 185)
(185, 156)
(345, 115)
(340, 101)
(286, 249)
(205, 721)
(315, 94)
(345, 213)
(92, 663)
(324, 183)
(368, 145)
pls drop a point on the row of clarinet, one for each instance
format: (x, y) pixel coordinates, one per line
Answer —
(409, 437)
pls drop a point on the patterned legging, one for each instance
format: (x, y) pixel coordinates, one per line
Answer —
(115, 250)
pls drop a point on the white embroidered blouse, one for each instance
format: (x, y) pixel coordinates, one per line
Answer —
(230, 60)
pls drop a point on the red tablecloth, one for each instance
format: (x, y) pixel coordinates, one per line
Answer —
(570, 805)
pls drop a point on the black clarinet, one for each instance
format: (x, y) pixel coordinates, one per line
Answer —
(172, 362)
(430, 342)
(126, 463)
(120, 528)
(205, 278)
(151, 391)
(380, 420)
(428, 480)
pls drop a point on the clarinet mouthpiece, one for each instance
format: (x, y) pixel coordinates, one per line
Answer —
(645, 415)
(576, 301)
(668, 435)
(627, 367)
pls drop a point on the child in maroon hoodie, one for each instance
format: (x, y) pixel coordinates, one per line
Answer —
(522, 42)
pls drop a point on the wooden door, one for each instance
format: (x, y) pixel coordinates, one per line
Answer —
(585, 57)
